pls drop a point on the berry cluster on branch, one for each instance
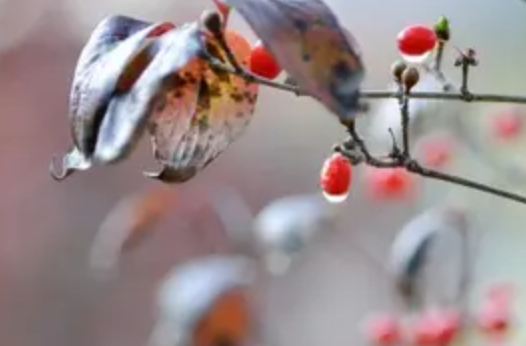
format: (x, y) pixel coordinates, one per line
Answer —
(416, 44)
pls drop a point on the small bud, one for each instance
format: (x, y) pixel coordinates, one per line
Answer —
(442, 29)
(471, 57)
(397, 69)
(410, 77)
(212, 21)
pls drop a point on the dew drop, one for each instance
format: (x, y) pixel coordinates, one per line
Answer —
(416, 59)
(335, 198)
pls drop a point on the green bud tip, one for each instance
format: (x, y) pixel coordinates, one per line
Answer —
(442, 24)
(442, 28)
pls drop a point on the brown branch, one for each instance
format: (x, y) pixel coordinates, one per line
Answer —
(356, 149)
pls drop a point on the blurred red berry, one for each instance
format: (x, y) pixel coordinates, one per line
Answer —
(422, 333)
(416, 41)
(507, 125)
(437, 327)
(494, 318)
(500, 293)
(336, 176)
(389, 182)
(495, 315)
(447, 325)
(436, 151)
(382, 330)
(262, 62)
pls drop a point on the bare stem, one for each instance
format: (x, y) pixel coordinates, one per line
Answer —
(404, 112)
(375, 94)
(439, 56)
(356, 148)
(413, 166)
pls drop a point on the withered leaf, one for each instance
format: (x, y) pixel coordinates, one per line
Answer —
(111, 47)
(116, 85)
(128, 113)
(313, 48)
(201, 113)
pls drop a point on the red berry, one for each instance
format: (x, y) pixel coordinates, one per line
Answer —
(389, 182)
(262, 62)
(507, 124)
(494, 318)
(446, 324)
(422, 333)
(382, 330)
(436, 151)
(161, 29)
(416, 40)
(336, 175)
(436, 328)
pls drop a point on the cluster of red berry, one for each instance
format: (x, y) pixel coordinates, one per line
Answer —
(414, 43)
(381, 183)
(440, 327)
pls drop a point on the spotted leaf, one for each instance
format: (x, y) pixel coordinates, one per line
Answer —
(201, 114)
(313, 48)
(113, 93)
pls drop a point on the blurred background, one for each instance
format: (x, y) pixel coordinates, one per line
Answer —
(47, 297)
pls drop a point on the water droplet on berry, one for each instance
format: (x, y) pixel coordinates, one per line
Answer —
(416, 59)
(335, 198)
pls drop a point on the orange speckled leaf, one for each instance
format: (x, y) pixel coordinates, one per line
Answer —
(190, 129)
(313, 48)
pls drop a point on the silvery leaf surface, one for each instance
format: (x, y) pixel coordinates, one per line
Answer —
(112, 45)
(312, 47)
(128, 113)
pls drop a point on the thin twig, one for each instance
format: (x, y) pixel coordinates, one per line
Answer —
(375, 94)
(397, 158)
(404, 114)
(439, 56)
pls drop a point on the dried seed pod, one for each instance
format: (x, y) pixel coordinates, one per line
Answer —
(205, 302)
(410, 78)
(397, 69)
